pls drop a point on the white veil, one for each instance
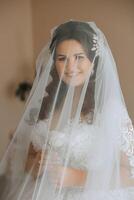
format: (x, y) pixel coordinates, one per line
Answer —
(53, 120)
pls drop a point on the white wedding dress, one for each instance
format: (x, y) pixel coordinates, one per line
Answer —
(83, 139)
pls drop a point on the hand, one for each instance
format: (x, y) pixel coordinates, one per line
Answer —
(72, 176)
(33, 161)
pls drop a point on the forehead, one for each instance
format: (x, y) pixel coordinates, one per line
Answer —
(69, 47)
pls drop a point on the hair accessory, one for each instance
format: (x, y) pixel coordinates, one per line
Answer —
(97, 44)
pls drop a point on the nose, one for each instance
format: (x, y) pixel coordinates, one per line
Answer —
(71, 65)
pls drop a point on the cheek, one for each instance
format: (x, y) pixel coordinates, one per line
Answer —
(59, 69)
(86, 67)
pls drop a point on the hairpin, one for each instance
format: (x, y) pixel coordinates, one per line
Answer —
(97, 43)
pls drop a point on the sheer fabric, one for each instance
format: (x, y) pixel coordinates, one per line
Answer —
(75, 122)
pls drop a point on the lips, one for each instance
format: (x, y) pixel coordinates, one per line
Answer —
(72, 74)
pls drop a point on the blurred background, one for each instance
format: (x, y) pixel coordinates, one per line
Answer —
(25, 28)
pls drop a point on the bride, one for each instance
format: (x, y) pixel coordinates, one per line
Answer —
(75, 139)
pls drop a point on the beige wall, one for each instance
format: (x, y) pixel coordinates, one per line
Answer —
(25, 28)
(16, 60)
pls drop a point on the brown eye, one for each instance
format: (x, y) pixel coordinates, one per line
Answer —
(62, 59)
(79, 57)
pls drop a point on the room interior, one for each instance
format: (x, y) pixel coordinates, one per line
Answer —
(25, 29)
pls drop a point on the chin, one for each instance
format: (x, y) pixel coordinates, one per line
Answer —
(75, 83)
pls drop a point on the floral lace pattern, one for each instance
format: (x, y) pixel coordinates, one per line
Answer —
(83, 137)
(127, 145)
(83, 134)
(79, 145)
(59, 140)
(39, 134)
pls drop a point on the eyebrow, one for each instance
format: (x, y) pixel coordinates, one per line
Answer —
(76, 54)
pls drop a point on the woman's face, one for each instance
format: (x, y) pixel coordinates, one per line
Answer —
(72, 62)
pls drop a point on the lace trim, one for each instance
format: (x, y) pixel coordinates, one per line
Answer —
(39, 134)
(80, 145)
(128, 142)
(39, 131)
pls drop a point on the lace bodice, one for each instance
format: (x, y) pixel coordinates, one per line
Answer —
(81, 142)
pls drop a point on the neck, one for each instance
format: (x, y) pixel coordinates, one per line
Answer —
(76, 98)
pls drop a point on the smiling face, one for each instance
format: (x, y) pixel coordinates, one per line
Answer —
(72, 62)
